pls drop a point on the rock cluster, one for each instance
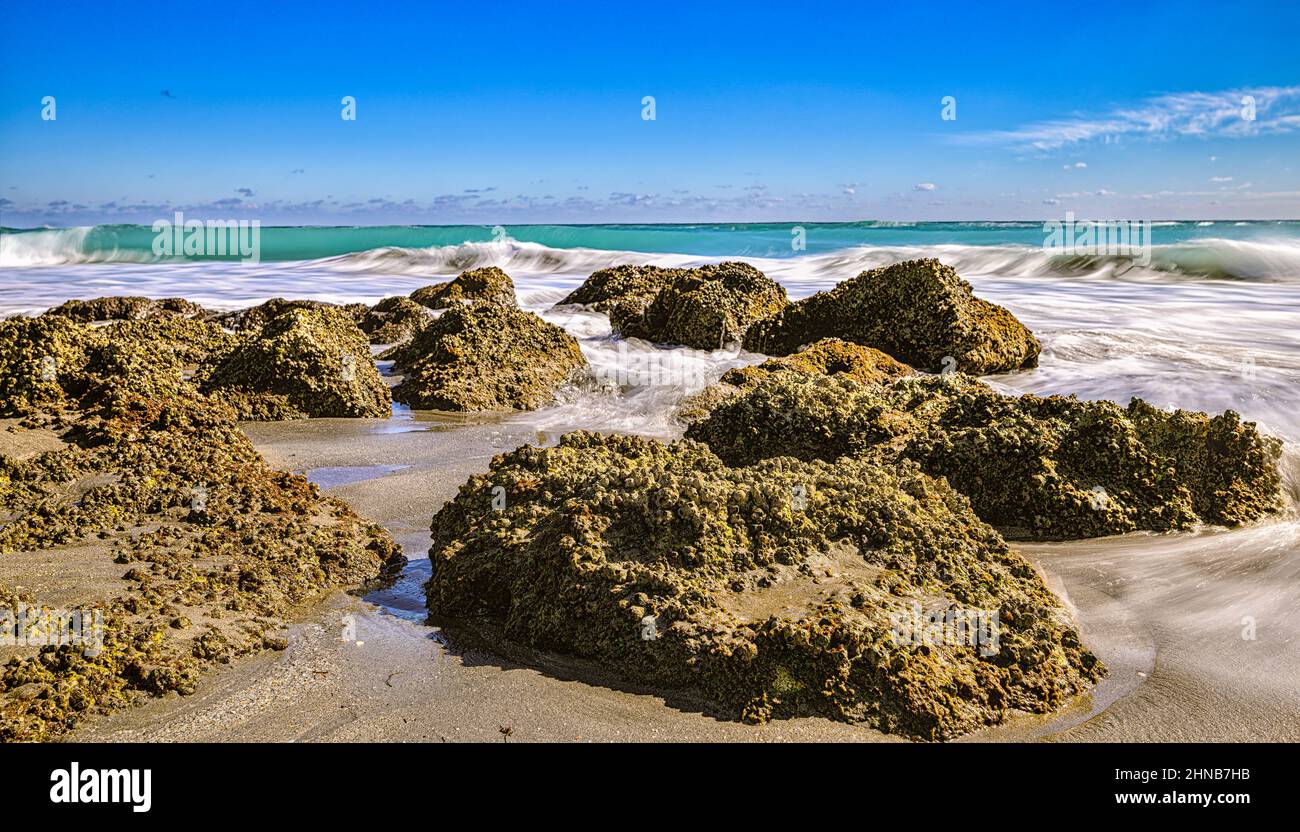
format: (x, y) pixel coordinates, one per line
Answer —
(215, 549)
(1046, 468)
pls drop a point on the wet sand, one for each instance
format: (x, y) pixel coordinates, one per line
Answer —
(1165, 612)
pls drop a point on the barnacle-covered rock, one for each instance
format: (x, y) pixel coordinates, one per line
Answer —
(487, 285)
(1034, 467)
(782, 589)
(918, 311)
(119, 308)
(706, 308)
(308, 362)
(394, 320)
(485, 357)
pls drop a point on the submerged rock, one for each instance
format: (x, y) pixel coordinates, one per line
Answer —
(918, 311)
(1046, 468)
(706, 308)
(394, 320)
(302, 362)
(487, 285)
(485, 357)
(127, 309)
(786, 588)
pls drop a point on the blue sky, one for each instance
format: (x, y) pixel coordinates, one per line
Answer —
(487, 113)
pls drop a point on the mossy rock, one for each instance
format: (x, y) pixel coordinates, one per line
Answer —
(709, 307)
(829, 356)
(775, 590)
(626, 288)
(394, 320)
(1034, 467)
(119, 308)
(316, 359)
(918, 311)
(486, 357)
(487, 285)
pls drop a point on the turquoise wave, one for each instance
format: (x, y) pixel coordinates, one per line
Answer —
(135, 243)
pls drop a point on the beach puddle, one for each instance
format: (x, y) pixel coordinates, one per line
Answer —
(336, 476)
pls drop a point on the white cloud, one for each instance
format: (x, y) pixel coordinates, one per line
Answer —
(924, 186)
(1206, 114)
(1220, 178)
(1075, 166)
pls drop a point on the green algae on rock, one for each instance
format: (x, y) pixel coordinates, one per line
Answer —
(1043, 468)
(706, 308)
(774, 590)
(126, 309)
(150, 474)
(486, 357)
(487, 285)
(918, 311)
(394, 320)
(305, 361)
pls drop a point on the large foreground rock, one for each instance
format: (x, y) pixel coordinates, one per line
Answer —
(487, 285)
(305, 361)
(776, 590)
(485, 357)
(1034, 467)
(706, 308)
(918, 311)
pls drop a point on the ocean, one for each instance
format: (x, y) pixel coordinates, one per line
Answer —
(1210, 321)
